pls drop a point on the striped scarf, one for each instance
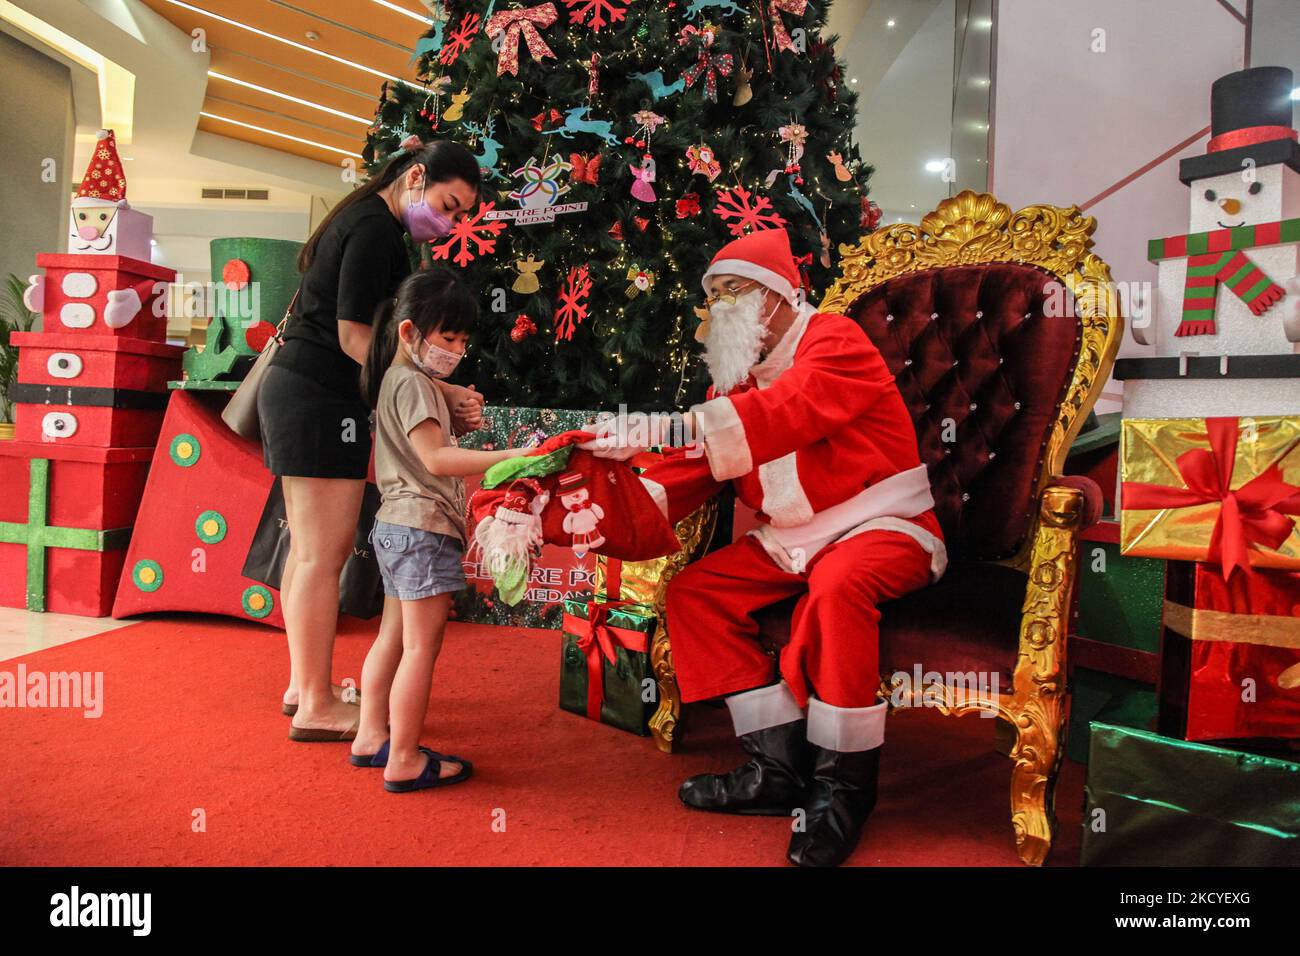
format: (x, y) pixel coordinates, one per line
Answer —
(1214, 257)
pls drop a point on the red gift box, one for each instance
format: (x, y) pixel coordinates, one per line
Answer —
(1230, 654)
(96, 361)
(62, 549)
(78, 290)
(207, 488)
(97, 417)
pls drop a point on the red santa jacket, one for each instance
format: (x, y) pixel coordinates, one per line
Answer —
(819, 423)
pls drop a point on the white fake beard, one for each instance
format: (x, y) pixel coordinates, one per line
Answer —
(734, 341)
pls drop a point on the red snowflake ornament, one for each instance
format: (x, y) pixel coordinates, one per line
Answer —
(734, 204)
(471, 230)
(598, 10)
(572, 309)
(460, 38)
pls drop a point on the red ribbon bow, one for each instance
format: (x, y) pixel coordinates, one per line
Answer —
(802, 263)
(1256, 513)
(526, 22)
(597, 638)
(797, 7)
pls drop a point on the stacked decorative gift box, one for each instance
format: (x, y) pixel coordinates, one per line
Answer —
(1217, 498)
(89, 402)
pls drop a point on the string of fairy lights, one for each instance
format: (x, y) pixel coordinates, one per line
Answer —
(673, 360)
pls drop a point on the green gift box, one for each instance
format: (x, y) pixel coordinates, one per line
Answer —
(605, 671)
(1157, 801)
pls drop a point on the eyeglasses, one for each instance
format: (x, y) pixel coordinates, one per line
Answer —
(731, 296)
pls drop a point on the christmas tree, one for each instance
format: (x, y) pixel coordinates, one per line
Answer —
(622, 144)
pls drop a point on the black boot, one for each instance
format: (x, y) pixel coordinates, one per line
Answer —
(841, 797)
(773, 783)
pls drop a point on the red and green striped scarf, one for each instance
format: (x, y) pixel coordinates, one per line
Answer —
(1214, 257)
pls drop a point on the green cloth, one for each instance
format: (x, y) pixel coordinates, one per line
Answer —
(527, 466)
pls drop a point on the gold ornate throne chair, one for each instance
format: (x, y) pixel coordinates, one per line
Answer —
(1000, 328)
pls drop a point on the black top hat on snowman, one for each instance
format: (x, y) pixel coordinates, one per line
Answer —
(1250, 119)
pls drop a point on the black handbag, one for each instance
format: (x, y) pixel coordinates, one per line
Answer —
(361, 590)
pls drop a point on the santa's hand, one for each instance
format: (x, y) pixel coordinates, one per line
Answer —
(622, 436)
(610, 447)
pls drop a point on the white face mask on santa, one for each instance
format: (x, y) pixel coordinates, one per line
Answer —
(735, 338)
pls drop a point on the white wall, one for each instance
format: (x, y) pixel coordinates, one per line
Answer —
(1071, 123)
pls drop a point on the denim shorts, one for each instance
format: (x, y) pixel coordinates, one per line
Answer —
(416, 563)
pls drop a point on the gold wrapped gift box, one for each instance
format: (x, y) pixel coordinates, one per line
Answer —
(1219, 490)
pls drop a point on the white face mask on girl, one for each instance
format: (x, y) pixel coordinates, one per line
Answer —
(437, 362)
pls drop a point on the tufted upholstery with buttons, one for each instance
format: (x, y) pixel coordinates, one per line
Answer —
(982, 369)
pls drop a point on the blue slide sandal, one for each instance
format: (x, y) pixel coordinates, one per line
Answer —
(377, 759)
(429, 777)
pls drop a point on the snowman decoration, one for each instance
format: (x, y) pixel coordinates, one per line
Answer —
(582, 515)
(102, 223)
(1229, 286)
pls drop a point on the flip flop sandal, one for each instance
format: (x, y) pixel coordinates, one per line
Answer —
(313, 735)
(377, 759)
(429, 777)
(290, 709)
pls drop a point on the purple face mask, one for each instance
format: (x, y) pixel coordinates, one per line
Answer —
(422, 221)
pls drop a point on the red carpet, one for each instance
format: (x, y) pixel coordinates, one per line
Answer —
(191, 720)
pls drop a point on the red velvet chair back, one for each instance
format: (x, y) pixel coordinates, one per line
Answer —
(983, 368)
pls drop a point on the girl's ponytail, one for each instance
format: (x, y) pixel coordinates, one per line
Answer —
(383, 348)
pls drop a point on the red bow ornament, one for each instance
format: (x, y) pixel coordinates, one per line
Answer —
(527, 23)
(774, 8)
(709, 66)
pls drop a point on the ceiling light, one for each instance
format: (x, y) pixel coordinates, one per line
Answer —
(271, 132)
(889, 23)
(854, 80)
(292, 99)
(402, 10)
(296, 45)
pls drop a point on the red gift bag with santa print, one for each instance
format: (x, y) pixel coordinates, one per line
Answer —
(563, 495)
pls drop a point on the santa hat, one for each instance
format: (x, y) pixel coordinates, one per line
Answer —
(105, 181)
(764, 256)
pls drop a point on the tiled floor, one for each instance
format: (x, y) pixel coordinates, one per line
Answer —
(22, 632)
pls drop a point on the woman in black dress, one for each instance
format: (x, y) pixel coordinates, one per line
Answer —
(315, 430)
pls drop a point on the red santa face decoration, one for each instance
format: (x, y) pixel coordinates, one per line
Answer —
(102, 223)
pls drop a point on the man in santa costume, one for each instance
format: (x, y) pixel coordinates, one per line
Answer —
(805, 421)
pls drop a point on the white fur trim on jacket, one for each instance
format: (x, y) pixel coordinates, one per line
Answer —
(846, 729)
(658, 493)
(723, 434)
(882, 505)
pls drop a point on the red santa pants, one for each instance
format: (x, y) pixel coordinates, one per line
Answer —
(834, 636)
